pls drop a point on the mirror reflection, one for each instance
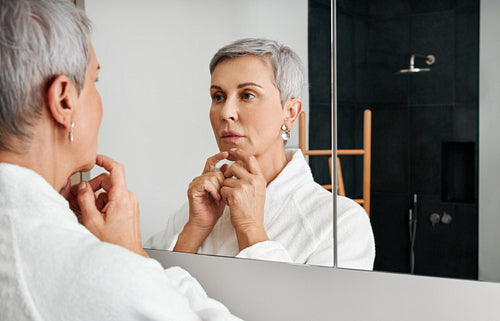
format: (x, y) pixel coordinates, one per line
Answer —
(415, 66)
(264, 204)
(159, 121)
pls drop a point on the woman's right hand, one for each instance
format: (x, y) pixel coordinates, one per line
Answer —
(112, 216)
(206, 205)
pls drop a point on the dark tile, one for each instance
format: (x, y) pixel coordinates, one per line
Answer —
(319, 48)
(375, 82)
(467, 6)
(390, 143)
(319, 3)
(320, 138)
(354, 7)
(433, 34)
(458, 172)
(389, 219)
(465, 122)
(424, 6)
(446, 249)
(467, 57)
(389, 8)
(430, 126)
(345, 55)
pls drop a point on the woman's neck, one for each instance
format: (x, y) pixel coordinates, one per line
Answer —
(44, 159)
(272, 162)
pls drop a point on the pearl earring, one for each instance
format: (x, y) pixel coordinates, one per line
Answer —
(71, 132)
(286, 132)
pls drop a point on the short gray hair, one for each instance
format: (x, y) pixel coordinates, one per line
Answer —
(286, 64)
(39, 40)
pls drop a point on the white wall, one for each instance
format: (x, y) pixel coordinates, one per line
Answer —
(154, 84)
(489, 146)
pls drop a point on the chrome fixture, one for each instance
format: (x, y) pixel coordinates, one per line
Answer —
(429, 60)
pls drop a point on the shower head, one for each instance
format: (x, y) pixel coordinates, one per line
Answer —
(429, 60)
(411, 70)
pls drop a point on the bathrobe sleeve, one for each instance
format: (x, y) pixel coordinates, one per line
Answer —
(355, 241)
(167, 238)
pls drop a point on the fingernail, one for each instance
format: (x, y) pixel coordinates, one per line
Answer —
(232, 149)
(82, 186)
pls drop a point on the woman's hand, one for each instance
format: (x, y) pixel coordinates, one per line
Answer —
(113, 214)
(245, 193)
(206, 205)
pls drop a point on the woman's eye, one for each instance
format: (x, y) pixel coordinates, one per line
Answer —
(248, 96)
(218, 97)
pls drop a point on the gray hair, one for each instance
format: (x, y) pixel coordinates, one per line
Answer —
(286, 64)
(39, 40)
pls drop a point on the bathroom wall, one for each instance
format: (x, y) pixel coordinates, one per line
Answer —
(425, 126)
(489, 150)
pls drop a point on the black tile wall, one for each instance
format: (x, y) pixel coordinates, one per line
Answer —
(424, 6)
(430, 126)
(413, 115)
(389, 216)
(319, 48)
(466, 57)
(446, 249)
(390, 155)
(375, 66)
(433, 33)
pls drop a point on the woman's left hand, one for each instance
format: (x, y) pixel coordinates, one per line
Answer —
(244, 190)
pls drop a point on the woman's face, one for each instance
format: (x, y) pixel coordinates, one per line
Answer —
(246, 110)
(88, 115)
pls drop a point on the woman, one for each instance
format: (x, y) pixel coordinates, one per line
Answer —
(51, 267)
(265, 205)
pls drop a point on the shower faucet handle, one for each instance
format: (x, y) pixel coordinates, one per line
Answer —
(446, 218)
(430, 59)
(435, 218)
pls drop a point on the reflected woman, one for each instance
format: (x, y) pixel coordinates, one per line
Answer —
(266, 204)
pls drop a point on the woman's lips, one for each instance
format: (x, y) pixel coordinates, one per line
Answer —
(230, 137)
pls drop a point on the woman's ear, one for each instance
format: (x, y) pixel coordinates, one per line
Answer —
(293, 107)
(61, 98)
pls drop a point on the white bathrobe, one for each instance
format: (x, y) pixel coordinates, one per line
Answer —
(298, 219)
(53, 268)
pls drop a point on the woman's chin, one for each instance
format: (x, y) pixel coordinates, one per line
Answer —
(88, 166)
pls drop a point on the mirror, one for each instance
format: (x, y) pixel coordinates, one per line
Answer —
(431, 184)
(155, 83)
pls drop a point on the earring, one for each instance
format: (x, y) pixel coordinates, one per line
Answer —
(286, 132)
(71, 132)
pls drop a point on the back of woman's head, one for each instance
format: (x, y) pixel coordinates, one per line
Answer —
(39, 40)
(286, 64)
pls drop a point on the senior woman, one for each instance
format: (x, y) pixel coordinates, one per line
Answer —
(265, 205)
(51, 267)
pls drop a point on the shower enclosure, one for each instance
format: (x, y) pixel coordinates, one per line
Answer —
(425, 128)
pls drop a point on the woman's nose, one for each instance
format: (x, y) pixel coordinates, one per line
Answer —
(229, 110)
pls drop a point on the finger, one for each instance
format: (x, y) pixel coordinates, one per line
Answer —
(116, 174)
(102, 181)
(90, 216)
(224, 167)
(66, 189)
(231, 182)
(208, 183)
(227, 194)
(213, 160)
(101, 201)
(249, 160)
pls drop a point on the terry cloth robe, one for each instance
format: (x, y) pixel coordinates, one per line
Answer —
(53, 268)
(298, 219)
